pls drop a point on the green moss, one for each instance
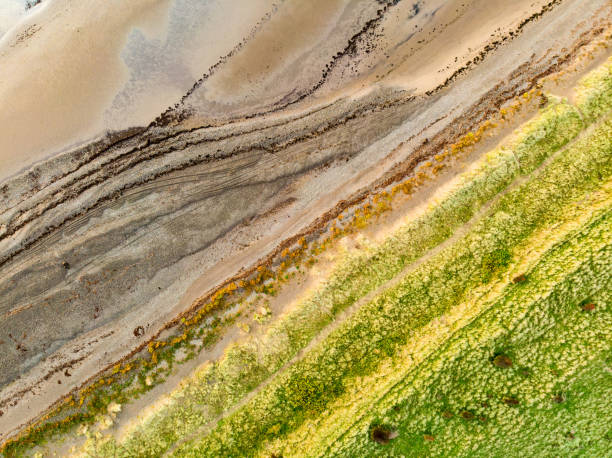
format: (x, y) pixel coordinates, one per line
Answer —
(309, 394)
(558, 351)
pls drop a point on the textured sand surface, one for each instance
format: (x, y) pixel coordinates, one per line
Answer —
(280, 111)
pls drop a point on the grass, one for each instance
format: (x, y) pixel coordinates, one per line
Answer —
(550, 336)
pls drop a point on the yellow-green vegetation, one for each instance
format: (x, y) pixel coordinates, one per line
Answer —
(594, 92)
(307, 395)
(482, 327)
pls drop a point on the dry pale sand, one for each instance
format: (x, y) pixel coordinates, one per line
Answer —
(61, 69)
(73, 70)
(11, 11)
(280, 112)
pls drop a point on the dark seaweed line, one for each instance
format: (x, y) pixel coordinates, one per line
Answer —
(348, 50)
(493, 46)
(274, 148)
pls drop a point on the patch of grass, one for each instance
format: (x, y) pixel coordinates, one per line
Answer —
(494, 262)
(521, 416)
(309, 394)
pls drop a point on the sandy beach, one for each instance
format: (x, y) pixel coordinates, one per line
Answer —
(152, 150)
